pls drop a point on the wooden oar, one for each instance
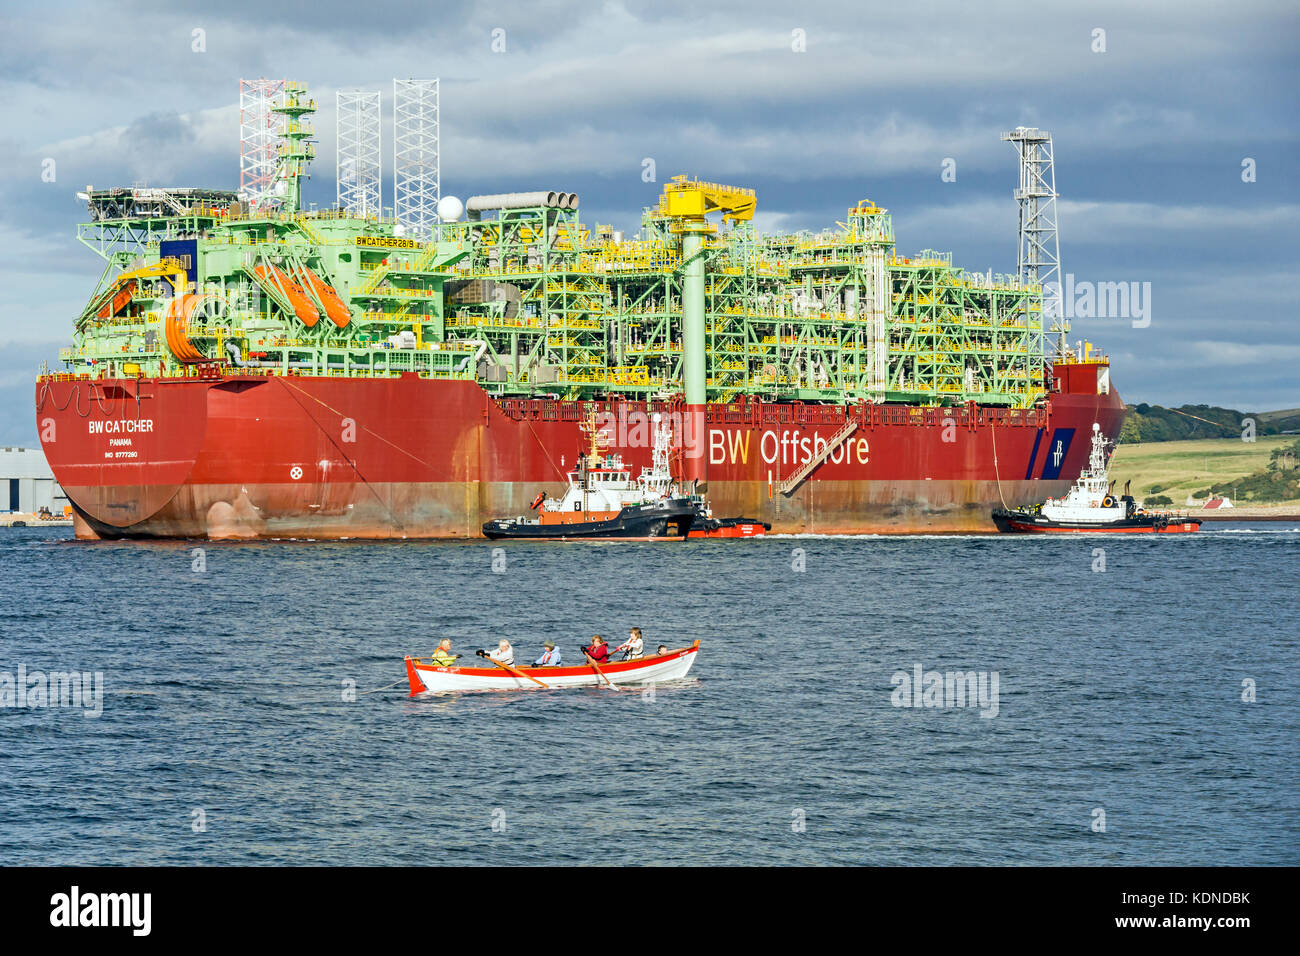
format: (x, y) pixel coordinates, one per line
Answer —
(518, 673)
(596, 667)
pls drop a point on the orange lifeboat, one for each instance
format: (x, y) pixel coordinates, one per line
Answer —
(335, 307)
(275, 278)
(119, 301)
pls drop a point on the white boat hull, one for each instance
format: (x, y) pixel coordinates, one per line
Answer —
(652, 669)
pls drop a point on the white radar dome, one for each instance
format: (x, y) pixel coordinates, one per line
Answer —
(450, 208)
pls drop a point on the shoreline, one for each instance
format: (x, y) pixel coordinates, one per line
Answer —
(1244, 514)
(28, 519)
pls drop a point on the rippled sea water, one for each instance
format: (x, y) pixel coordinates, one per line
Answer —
(1119, 691)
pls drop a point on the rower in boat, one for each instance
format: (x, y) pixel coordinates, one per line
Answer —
(598, 650)
(633, 646)
(550, 657)
(504, 653)
(443, 657)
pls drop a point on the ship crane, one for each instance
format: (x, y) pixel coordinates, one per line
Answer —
(119, 291)
(690, 199)
(688, 202)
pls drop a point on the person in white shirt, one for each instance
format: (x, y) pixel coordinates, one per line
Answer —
(504, 653)
(632, 647)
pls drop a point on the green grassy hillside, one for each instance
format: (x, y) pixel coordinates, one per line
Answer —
(1150, 423)
(1177, 469)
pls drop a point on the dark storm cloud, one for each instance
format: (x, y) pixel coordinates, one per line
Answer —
(157, 129)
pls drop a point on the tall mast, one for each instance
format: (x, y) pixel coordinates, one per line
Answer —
(1038, 255)
(296, 149)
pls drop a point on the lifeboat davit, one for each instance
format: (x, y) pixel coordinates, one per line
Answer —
(335, 307)
(275, 278)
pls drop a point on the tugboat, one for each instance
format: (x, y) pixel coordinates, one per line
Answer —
(1091, 507)
(603, 500)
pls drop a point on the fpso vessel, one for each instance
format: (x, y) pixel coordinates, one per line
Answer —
(248, 369)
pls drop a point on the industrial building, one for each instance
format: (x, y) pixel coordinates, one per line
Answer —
(27, 484)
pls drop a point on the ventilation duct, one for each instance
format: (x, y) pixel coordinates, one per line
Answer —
(476, 205)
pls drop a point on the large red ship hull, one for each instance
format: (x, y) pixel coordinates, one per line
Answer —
(260, 456)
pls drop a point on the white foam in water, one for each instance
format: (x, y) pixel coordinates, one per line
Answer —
(1027, 537)
(1252, 531)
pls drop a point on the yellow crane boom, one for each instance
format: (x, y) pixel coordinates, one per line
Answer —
(691, 199)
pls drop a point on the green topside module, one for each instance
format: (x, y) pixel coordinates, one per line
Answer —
(527, 301)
